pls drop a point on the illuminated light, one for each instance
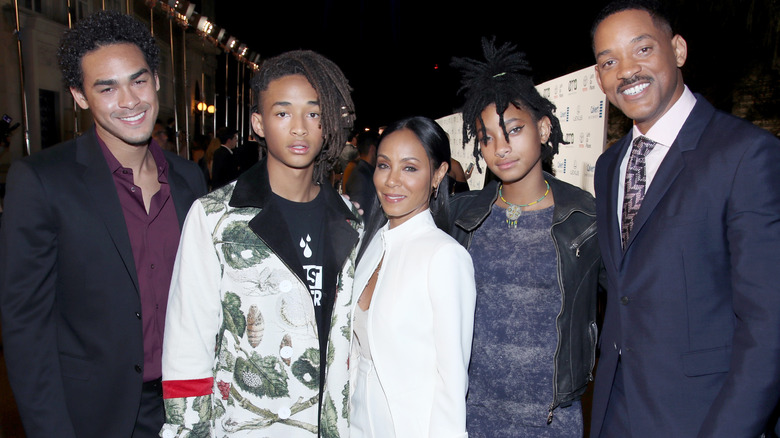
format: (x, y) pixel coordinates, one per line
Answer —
(190, 11)
(201, 106)
(231, 43)
(221, 35)
(211, 109)
(242, 49)
(204, 25)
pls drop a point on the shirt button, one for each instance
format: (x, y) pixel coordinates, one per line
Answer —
(138, 315)
(624, 300)
(138, 369)
(152, 266)
(132, 189)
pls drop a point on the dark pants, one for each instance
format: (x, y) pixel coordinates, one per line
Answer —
(151, 414)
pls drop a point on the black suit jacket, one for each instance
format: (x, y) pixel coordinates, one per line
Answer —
(69, 299)
(224, 167)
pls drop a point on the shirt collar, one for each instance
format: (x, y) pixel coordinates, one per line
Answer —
(159, 158)
(665, 130)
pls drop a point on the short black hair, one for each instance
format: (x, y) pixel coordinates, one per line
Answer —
(333, 92)
(101, 29)
(225, 133)
(658, 12)
(504, 78)
(365, 140)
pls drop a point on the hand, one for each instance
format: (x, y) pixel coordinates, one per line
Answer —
(360, 210)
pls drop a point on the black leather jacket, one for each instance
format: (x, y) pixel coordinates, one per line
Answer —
(579, 266)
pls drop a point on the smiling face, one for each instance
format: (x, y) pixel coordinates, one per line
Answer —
(512, 160)
(289, 119)
(403, 178)
(638, 65)
(121, 92)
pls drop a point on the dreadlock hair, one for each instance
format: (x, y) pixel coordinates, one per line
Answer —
(333, 91)
(503, 78)
(101, 29)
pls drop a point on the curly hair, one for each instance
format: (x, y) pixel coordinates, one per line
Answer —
(333, 91)
(103, 29)
(503, 78)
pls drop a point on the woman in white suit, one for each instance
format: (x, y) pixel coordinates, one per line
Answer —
(413, 321)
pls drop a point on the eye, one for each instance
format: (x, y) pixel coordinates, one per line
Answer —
(106, 90)
(645, 50)
(410, 169)
(281, 114)
(516, 130)
(608, 63)
(381, 166)
(314, 115)
(484, 140)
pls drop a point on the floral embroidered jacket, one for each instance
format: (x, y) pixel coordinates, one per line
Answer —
(241, 354)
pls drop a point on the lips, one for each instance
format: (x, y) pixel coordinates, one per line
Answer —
(636, 89)
(299, 148)
(393, 198)
(504, 165)
(133, 119)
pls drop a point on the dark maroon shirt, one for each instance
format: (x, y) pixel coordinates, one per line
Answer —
(154, 238)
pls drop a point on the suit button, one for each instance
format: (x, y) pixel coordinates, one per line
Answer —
(624, 300)
(138, 369)
(614, 344)
(138, 315)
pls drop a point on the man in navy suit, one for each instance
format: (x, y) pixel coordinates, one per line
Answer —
(87, 247)
(689, 226)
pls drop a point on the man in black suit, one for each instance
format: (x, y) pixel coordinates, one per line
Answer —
(688, 214)
(224, 167)
(87, 247)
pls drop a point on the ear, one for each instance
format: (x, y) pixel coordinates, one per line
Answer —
(545, 129)
(680, 47)
(257, 124)
(156, 82)
(79, 97)
(439, 174)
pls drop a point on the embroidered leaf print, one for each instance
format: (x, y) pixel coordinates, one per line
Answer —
(345, 401)
(219, 409)
(234, 320)
(174, 410)
(240, 255)
(201, 430)
(262, 376)
(215, 201)
(202, 405)
(307, 368)
(254, 326)
(329, 427)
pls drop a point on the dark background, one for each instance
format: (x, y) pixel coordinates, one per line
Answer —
(396, 53)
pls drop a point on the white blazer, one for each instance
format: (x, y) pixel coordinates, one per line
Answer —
(420, 325)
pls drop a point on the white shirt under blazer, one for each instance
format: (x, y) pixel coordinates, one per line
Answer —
(420, 325)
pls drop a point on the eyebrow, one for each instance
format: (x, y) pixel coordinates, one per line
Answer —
(285, 103)
(634, 40)
(109, 82)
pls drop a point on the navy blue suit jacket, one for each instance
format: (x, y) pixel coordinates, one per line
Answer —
(69, 299)
(693, 302)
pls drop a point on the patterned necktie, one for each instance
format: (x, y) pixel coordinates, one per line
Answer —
(636, 180)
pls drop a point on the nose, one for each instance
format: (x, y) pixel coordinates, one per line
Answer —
(298, 127)
(628, 69)
(392, 178)
(502, 146)
(128, 98)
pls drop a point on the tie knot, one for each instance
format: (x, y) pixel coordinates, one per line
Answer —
(643, 145)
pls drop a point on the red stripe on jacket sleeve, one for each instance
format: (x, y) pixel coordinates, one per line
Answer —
(187, 388)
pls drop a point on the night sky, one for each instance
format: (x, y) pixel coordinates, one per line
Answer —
(396, 53)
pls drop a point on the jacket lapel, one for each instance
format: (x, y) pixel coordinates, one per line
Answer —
(608, 212)
(100, 187)
(673, 163)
